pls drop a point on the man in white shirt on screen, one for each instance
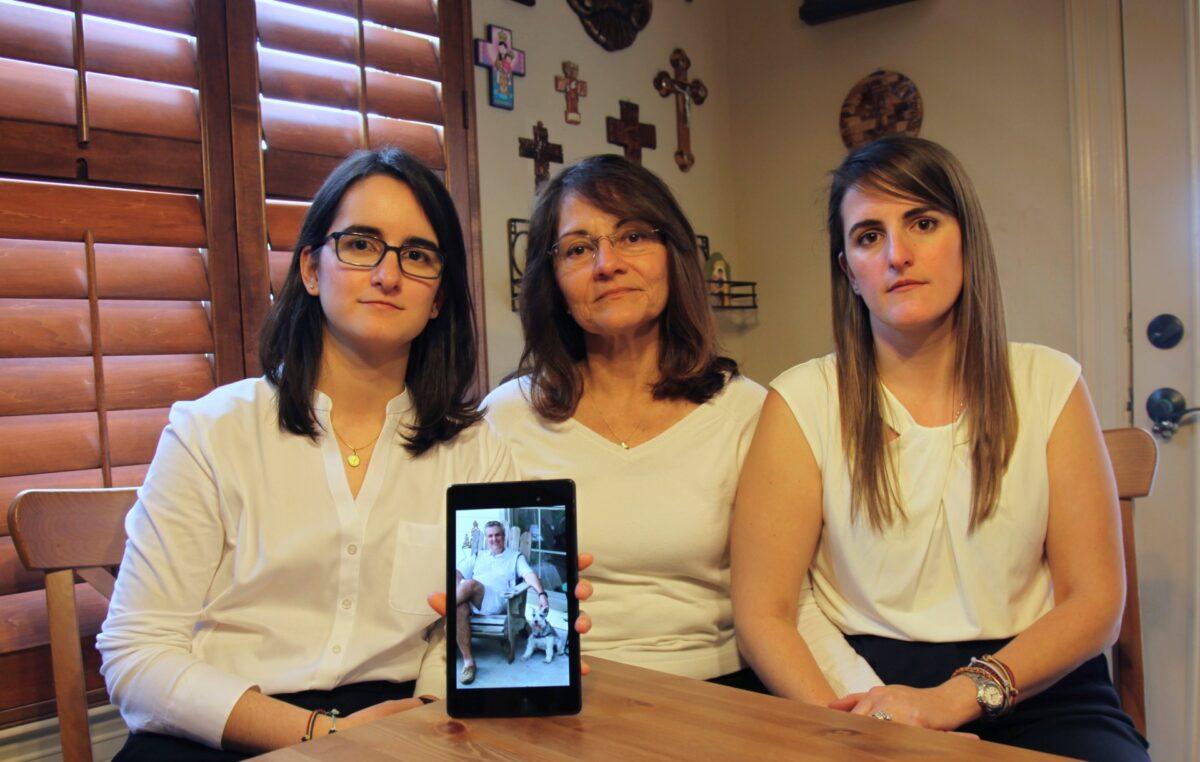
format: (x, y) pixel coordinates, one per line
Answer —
(485, 580)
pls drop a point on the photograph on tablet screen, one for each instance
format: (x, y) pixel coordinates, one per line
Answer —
(518, 639)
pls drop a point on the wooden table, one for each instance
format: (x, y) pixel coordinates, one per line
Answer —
(632, 713)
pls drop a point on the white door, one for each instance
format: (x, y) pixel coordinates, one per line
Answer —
(1162, 107)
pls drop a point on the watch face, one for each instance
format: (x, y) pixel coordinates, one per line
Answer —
(992, 696)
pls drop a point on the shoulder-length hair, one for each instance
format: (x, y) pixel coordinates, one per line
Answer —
(925, 172)
(689, 364)
(441, 363)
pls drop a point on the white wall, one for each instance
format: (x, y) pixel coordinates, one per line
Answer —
(550, 33)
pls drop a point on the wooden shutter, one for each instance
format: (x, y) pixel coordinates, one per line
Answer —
(118, 280)
(321, 78)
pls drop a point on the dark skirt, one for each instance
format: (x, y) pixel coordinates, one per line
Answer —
(1079, 716)
(347, 699)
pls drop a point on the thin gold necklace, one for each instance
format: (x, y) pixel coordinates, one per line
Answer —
(352, 459)
(623, 440)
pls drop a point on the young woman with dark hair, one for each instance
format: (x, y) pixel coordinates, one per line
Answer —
(291, 526)
(621, 388)
(949, 490)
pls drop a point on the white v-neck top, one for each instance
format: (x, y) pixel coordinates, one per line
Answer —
(656, 517)
(926, 578)
(249, 563)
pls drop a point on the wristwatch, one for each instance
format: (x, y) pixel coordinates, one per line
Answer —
(989, 694)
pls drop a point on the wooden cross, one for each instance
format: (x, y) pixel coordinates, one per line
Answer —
(542, 151)
(574, 88)
(631, 134)
(503, 62)
(686, 93)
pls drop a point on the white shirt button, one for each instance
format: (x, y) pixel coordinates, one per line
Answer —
(337, 649)
(347, 603)
(352, 549)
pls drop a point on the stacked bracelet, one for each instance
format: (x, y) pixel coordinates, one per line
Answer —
(991, 670)
(311, 725)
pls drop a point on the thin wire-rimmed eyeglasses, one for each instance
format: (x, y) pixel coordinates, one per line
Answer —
(367, 251)
(579, 249)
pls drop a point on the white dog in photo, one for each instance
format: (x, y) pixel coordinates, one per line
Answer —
(542, 635)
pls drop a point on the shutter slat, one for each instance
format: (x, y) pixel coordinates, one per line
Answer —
(37, 92)
(38, 35)
(63, 212)
(14, 577)
(292, 77)
(403, 97)
(155, 381)
(296, 175)
(42, 269)
(400, 53)
(284, 27)
(150, 272)
(133, 434)
(139, 52)
(278, 263)
(172, 15)
(11, 485)
(41, 385)
(415, 15)
(37, 444)
(129, 476)
(143, 108)
(421, 140)
(45, 328)
(136, 327)
(309, 129)
(31, 148)
(283, 223)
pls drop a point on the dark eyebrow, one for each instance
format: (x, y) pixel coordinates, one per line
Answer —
(412, 240)
(862, 224)
(921, 210)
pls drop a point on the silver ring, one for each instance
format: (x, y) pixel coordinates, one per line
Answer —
(881, 715)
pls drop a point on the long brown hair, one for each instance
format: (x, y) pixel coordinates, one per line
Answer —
(925, 172)
(689, 364)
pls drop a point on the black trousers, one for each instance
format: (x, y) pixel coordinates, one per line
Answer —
(743, 678)
(1079, 716)
(347, 699)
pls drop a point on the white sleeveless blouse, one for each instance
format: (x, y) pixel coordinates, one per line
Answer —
(925, 578)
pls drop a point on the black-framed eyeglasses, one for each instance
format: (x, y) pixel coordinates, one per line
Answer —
(631, 240)
(367, 251)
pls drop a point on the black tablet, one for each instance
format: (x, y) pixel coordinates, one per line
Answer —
(511, 569)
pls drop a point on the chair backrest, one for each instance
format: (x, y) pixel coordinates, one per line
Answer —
(1134, 456)
(63, 533)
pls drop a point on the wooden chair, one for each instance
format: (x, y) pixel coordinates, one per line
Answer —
(1134, 456)
(66, 533)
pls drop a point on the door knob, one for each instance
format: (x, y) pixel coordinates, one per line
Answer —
(1167, 408)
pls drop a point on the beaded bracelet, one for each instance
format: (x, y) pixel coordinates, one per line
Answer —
(311, 725)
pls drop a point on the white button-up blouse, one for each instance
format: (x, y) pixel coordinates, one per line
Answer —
(248, 562)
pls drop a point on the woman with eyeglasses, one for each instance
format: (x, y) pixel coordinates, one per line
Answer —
(949, 491)
(621, 388)
(290, 527)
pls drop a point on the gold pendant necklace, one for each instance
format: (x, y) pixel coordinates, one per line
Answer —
(623, 440)
(352, 459)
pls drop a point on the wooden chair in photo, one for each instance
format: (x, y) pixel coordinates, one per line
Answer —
(1134, 457)
(67, 533)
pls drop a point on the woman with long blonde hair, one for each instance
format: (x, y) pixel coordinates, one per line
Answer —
(949, 491)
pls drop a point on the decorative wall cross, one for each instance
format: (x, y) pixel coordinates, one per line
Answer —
(631, 134)
(686, 93)
(542, 151)
(574, 88)
(503, 62)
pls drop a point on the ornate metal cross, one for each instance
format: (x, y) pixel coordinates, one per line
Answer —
(686, 93)
(542, 151)
(631, 134)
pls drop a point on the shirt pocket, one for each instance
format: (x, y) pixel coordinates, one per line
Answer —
(419, 567)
